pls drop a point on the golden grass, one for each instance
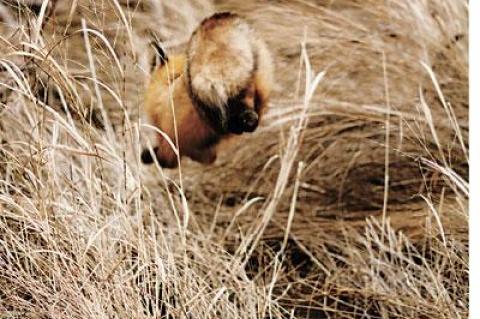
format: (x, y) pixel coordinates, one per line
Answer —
(351, 200)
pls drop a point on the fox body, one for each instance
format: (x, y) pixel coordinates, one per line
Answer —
(218, 88)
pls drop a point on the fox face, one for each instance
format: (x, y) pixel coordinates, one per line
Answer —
(218, 88)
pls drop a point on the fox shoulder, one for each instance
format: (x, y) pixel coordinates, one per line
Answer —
(171, 69)
(166, 82)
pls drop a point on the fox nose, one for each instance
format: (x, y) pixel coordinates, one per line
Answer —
(249, 121)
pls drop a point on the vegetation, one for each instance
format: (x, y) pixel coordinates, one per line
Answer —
(350, 201)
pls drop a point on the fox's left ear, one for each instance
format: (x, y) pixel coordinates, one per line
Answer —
(160, 58)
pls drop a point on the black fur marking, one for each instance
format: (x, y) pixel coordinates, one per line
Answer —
(223, 15)
(220, 16)
(160, 53)
(147, 156)
(241, 118)
(258, 102)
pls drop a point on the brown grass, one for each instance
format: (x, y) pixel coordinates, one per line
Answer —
(351, 201)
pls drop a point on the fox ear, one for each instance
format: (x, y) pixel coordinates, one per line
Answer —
(160, 58)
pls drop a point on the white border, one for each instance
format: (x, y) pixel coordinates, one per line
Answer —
(474, 179)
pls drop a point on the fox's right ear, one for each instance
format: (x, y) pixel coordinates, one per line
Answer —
(160, 58)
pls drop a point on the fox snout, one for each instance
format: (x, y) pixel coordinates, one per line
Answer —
(249, 120)
(244, 121)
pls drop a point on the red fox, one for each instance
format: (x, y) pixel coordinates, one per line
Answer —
(218, 88)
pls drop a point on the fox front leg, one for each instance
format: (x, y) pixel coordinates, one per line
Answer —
(163, 153)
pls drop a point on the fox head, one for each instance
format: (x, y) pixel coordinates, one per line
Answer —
(229, 73)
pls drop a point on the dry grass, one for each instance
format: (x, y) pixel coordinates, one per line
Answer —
(351, 201)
